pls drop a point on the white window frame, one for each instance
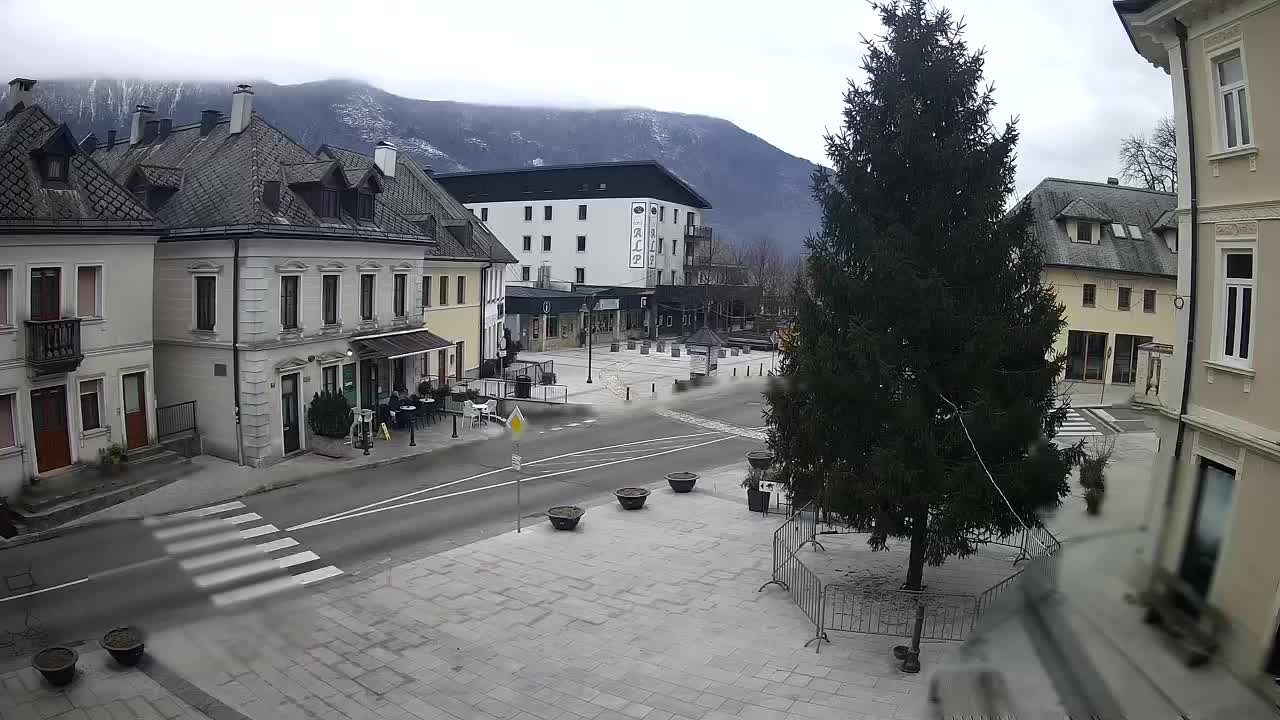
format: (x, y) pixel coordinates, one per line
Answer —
(336, 367)
(373, 299)
(195, 301)
(338, 300)
(8, 324)
(100, 280)
(1135, 233)
(580, 275)
(280, 306)
(1219, 92)
(1220, 309)
(14, 413)
(580, 246)
(526, 273)
(102, 410)
(407, 291)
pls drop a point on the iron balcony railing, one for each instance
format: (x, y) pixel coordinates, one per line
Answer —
(53, 346)
(697, 232)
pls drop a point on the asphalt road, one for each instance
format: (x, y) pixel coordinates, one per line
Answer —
(359, 522)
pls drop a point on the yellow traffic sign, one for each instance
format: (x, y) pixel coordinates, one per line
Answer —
(516, 422)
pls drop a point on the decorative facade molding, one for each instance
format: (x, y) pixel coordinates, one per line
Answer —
(204, 267)
(369, 266)
(1267, 211)
(1221, 37)
(330, 358)
(290, 363)
(333, 266)
(292, 266)
(1241, 230)
(403, 266)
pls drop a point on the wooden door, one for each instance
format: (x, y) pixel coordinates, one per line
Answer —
(289, 413)
(442, 367)
(135, 410)
(49, 425)
(457, 362)
(46, 293)
(369, 384)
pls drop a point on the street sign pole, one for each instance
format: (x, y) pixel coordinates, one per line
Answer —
(515, 457)
(515, 425)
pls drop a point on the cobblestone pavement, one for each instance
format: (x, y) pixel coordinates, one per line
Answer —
(102, 690)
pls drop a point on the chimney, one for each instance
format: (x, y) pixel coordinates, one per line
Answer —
(241, 108)
(166, 125)
(140, 114)
(89, 143)
(1113, 181)
(111, 138)
(208, 120)
(384, 156)
(150, 130)
(19, 95)
(428, 170)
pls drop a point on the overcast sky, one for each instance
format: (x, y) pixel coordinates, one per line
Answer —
(775, 69)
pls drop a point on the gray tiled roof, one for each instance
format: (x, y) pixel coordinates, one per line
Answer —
(1080, 209)
(1121, 204)
(91, 199)
(162, 177)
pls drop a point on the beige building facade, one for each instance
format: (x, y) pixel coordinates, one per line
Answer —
(1213, 395)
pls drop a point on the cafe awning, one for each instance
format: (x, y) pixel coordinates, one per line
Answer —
(400, 344)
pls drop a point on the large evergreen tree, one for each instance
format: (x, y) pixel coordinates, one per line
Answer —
(921, 292)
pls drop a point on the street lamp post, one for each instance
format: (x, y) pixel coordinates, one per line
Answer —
(591, 309)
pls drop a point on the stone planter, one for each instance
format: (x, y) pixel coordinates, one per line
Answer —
(733, 352)
(57, 664)
(330, 447)
(631, 498)
(565, 517)
(675, 352)
(682, 482)
(662, 346)
(760, 459)
(746, 349)
(723, 352)
(111, 469)
(644, 349)
(757, 501)
(631, 344)
(614, 347)
(125, 645)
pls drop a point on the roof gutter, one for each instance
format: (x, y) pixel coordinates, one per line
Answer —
(235, 342)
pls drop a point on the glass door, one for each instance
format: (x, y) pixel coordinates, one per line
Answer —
(1208, 525)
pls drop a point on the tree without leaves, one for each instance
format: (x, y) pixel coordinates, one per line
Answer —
(920, 291)
(1152, 162)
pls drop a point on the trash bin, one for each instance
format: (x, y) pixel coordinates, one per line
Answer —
(524, 386)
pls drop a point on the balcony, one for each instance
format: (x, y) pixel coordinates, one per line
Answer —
(697, 232)
(53, 346)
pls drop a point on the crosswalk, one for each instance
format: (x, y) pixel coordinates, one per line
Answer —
(1077, 426)
(234, 555)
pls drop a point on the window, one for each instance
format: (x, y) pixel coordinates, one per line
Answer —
(1124, 298)
(675, 216)
(528, 243)
(6, 303)
(1135, 233)
(661, 242)
(582, 243)
(8, 430)
(579, 275)
(364, 206)
(1233, 105)
(1086, 355)
(426, 291)
(524, 273)
(329, 379)
(399, 293)
(289, 302)
(546, 212)
(484, 214)
(328, 203)
(1212, 514)
(1237, 306)
(398, 374)
(528, 213)
(662, 213)
(546, 243)
(673, 277)
(582, 212)
(1149, 301)
(462, 289)
(89, 291)
(366, 297)
(1084, 232)
(55, 168)
(673, 245)
(90, 405)
(1117, 229)
(1089, 295)
(206, 302)
(444, 289)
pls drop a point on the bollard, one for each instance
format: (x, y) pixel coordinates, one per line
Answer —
(411, 441)
(735, 372)
(628, 393)
(455, 426)
(761, 372)
(748, 371)
(653, 387)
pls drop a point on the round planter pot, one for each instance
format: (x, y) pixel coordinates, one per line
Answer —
(760, 459)
(614, 347)
(631, 344)
(57, 664)
(565, 517)
(631, 498)
(125, 645)
(757, 501)
(682, 482)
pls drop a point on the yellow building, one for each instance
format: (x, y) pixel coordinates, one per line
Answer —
(1110, 254)
(1216, 489)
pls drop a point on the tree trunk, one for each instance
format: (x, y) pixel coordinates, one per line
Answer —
(915, 562)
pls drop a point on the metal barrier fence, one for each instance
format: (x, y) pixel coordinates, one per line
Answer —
(173, 420)
(534, 370)
(502, 389)
(794, 576)
(850, 608)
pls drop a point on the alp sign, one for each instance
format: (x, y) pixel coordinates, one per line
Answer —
(639, 233)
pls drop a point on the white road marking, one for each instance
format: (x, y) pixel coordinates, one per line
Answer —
(315, 576)
(305, 556)
(237, 573)
(1105, 415)
(242, 519)
(194, 528)
(259, 531)
(45, 590)
(397, 498)
(254, 591)
(191, 514)
(221, 557)
(204, 543)
(275, 545)
(349, 516)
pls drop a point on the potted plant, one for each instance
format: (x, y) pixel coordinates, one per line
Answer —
(329, 419)
(1093, 477)
(757, 501)
(125, 645)
(57, 664)
(111, 459)
(548, 378)
(457, 393)
(565, 517)
(682, 482)
(424, 388)
(631, 498)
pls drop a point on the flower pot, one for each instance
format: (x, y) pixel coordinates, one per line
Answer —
(722, 352)
(675, 352)
(125, 645)
(757, 501)
(644, 349)
(733, 352)
(615, 347)
(682, 482)
(631, 498)
(631, 344)
(565, 517)
(760, 459)
(57, 664)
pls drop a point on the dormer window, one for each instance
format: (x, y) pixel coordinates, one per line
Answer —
(364, 206)
(329, 203)
(55, 168)
(1084, 232)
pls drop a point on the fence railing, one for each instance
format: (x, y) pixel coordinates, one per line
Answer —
(794, 576)
(501, 389)
(536, 371)
(174, 420)
(855, 609)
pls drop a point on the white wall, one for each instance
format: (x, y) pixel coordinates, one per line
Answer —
(607, 229)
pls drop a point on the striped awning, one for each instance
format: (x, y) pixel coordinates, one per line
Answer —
(400, 344)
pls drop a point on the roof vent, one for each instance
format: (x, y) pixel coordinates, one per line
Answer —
(111, 138)
(1113, 181)
(151, 130)
(19, 95)
(208, 119)
(166, 125)
(384, 156)
(241, 108)
(138, 122)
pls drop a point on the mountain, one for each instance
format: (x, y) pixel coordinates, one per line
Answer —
(755, 188)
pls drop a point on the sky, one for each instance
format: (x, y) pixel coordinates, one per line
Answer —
(1065, 68)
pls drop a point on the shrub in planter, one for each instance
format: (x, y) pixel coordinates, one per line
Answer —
(682, 482)
(329, 414)
(473, 395)
(565, 517)
(57, 664)
(757, 501)
(1093, 501)
(631, 498)
(424, 389)
(1093, 477)
(125, 645)
(111, 459)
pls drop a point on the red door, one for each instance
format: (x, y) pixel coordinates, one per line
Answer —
(49, 422)
(457, 363)
(135, 410)
(442, 367)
